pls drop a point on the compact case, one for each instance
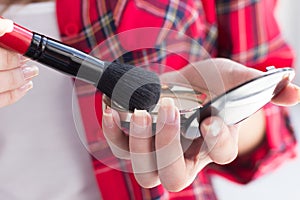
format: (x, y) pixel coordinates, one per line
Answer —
(232, 106)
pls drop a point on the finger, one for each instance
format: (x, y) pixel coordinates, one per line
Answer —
(221, 140)
(15, 78)
(169, 153)
(6, 26)
(12, 96)
(116, 139)
(289, 96)
(142, 149)
(9, 59)
(195, 156)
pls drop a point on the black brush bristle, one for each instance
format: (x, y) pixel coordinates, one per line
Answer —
(129, 86)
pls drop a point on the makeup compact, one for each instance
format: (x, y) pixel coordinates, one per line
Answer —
(233, 106)
(188, 100)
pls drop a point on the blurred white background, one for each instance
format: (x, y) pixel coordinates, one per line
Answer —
(284, 182)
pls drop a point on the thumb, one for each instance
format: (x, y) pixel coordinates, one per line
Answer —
(289, 96)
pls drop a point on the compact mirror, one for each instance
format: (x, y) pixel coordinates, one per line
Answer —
(233, 106)
(244, 100)
(188, 100)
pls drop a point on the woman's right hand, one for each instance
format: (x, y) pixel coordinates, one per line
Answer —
(15, 77)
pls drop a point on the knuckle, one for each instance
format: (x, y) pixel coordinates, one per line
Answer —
(171, 129)
(167, 134)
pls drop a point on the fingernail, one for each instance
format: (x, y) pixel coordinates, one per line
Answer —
(139, 120)
(168, 107)
(108, 118)
(30, 71)
(27, 86)
(213, 129)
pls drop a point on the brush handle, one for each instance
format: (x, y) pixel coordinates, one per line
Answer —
(54, 54)
(131, 87)
(19, 39)
(66, 59)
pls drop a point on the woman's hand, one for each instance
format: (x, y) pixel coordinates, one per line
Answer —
(15, 77)
(168, 158)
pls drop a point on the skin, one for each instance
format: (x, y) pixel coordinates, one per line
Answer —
(6, 26)
(161, 159)
(164, 158)
(15, 75)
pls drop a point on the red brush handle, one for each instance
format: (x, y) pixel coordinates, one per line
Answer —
(18, 40)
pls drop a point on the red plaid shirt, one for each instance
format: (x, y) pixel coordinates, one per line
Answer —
(242, 30)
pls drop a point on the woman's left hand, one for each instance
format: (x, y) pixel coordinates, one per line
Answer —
(167, 158)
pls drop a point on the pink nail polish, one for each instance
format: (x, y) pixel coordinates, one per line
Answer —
(30, 72)
(27, 86)
(140, 117)
(168, 106)
(139, 121)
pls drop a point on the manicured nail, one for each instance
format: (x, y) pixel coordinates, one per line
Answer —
(168, 106)
(27, 86)
(108, 118)
(140, 121)
(213, 129)
(140, 117)
(30, 71)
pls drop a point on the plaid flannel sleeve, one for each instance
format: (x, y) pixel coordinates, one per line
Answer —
(249, 34)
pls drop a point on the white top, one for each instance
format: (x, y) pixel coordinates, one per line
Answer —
(41, 155)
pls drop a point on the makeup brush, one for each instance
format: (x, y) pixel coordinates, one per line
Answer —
(131, 87)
